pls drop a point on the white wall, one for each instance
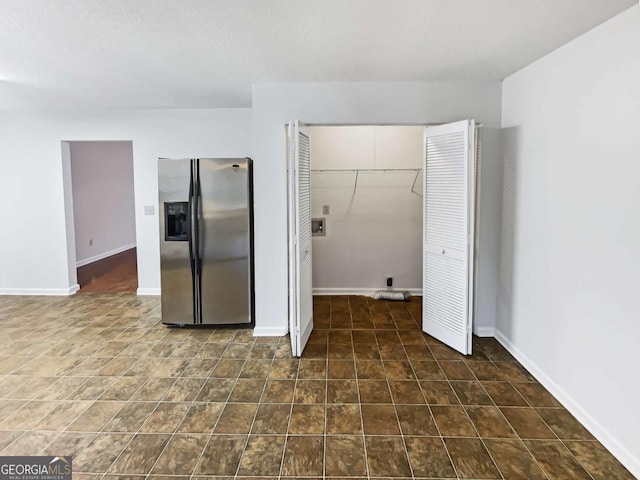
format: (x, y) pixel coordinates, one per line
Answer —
(103, 199)
(339, 103)
(36, 259)
(375, 231)
(568, 302)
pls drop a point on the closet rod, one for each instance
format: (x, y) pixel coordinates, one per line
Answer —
(371, 170)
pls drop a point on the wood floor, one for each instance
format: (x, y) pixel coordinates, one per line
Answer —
(118, 273)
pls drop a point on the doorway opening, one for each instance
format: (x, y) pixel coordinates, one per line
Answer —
(100, 214)
(382, 208)
(366, 189)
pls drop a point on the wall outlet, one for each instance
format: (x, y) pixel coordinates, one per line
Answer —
(90, 241)
(325, 209)
(148, 209)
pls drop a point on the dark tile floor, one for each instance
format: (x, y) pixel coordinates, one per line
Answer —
(97, 376)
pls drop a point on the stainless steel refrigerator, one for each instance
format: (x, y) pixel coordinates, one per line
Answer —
(206, 241)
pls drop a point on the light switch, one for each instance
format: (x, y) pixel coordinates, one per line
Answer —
(148, 209)
(325, 209)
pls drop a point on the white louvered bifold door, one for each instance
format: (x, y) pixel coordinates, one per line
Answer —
(301, 285)
(292, 236)
(448, 250)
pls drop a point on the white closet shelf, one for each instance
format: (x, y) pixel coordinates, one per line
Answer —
(357, 171)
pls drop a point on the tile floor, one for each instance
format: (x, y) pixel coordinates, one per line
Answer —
(97, 376)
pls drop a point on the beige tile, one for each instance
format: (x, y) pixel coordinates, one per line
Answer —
(222, 455)
(341, 369)
(236, 418)
(307, 419)
(416, 420)
(386, 457)
(247, 390)
(471, 459)
(374, 391)
(429, 458)
(216, 390)
(272, 418)
(166, 417)
(489, 422)
(181, 455)
(380, 420)
(452, 421)
(303, 456)
(184, 390)
(439, 392)
(513, 459)
(262, 456)
(140, 454)
(312, 369)
(342, 391)
(101, 452)
(62, 416)
(200, 417)
(278, 391)
(597, 461)
(69, 443)
(527, 423)
(310, 391)
(345, 456)
(343, 419)
(30, 443)
(556, 460)
(131, 417)
(406, 392)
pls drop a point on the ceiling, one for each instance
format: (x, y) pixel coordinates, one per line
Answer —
(207, 53)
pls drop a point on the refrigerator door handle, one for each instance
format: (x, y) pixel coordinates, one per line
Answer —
(196, 241)
(192, 209)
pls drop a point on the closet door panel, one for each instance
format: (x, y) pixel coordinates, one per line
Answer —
(448, 233)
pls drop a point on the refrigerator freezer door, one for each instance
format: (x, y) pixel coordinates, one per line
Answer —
(225, 241)
(175, 261)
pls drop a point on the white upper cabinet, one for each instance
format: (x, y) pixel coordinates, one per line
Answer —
(399, 147)
(342, 147)
(366, 147)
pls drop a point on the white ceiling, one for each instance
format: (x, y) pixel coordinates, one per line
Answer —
(207, 53)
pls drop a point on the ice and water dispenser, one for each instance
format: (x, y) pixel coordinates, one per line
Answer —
(176, 221)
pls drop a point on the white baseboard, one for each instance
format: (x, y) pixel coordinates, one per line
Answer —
(484, 331)
(148, 291)
(58, 292)
(270, 331)
(597, 430)
(100, 256)
(362, 291)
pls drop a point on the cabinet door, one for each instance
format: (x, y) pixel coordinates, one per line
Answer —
(398, 146)
(342, 147)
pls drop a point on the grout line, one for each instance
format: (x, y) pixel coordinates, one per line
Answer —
(455, 470)
(326, 397)
(355, 369)
(286, 439)
(395, 410)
